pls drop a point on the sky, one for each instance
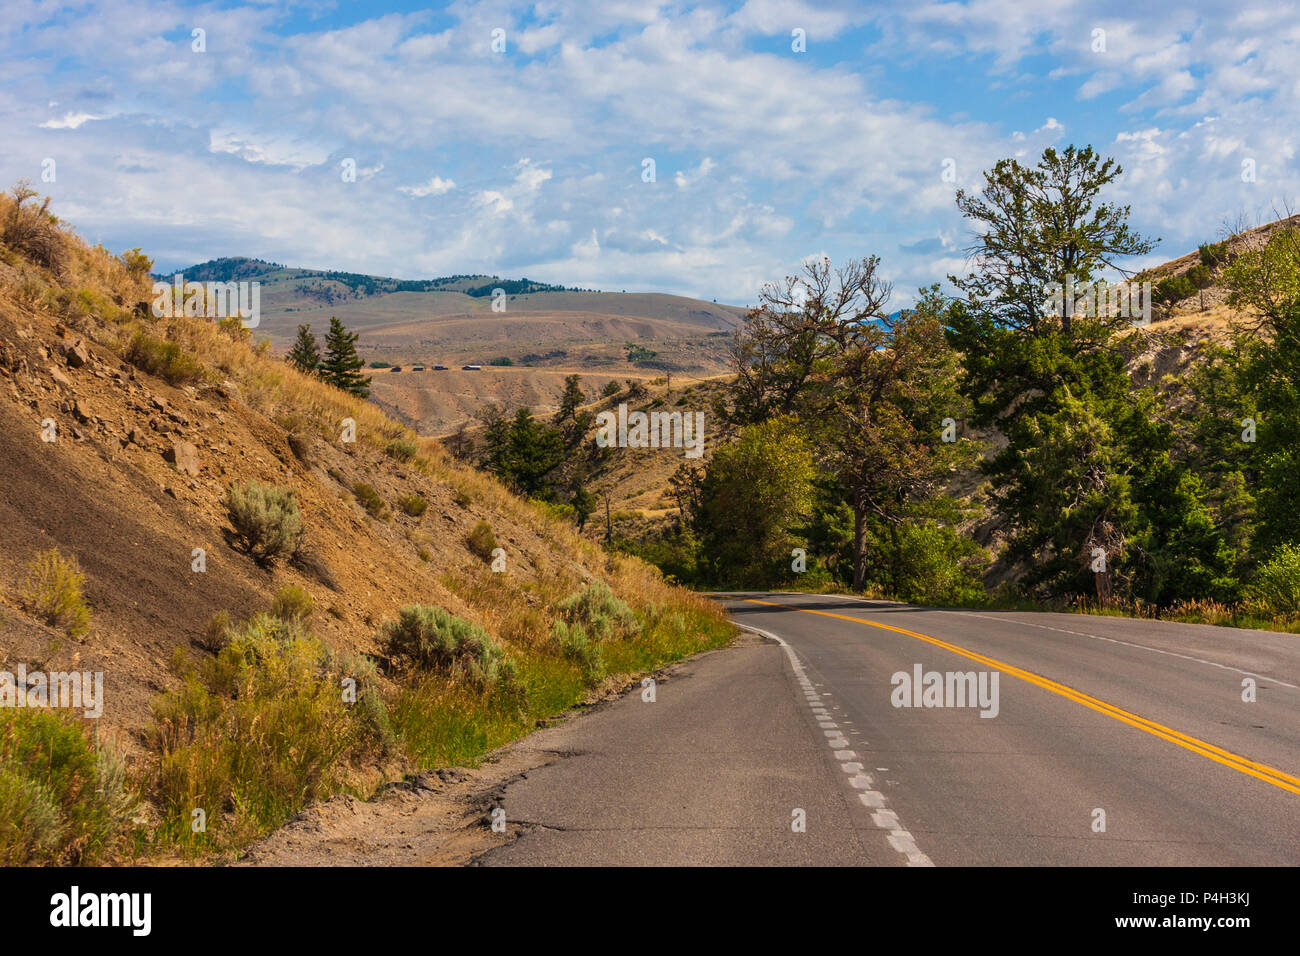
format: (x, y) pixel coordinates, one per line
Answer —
(514, 139)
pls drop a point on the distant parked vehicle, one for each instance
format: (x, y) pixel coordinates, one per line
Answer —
(417, 368)
(397, 368)
(472, 368)
(440, 368)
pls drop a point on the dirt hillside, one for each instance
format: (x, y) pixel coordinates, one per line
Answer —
(132, 480)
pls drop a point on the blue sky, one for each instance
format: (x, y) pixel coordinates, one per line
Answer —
(529, 161)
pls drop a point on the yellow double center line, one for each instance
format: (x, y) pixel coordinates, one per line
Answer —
(1260, 771)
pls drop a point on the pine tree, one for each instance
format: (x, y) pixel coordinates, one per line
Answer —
(305, 354)
(342, 365)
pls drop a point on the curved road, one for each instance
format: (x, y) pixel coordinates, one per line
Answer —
(1108, 741)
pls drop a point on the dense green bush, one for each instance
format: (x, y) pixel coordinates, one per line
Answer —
(936, 565)
(1173, 289)
(163, 358)
(1213, 253)
(1276, 584)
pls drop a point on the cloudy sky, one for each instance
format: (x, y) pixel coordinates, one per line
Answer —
(513, 139)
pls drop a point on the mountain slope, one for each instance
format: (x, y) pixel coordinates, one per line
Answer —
(548, 330)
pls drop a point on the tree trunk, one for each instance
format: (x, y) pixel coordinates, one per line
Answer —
(859, 540)
(895, 561)
(1105, 587)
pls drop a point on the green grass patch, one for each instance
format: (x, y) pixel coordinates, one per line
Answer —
(444, 725)
(447, 725)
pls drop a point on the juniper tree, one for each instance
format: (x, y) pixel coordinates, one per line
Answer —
(1081, 480)
(872, 387)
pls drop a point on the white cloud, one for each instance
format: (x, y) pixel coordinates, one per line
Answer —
(494, 201)
(271, 149)
(434, 187)
(531, 177)
(684, 178)
(799, 151)
(70, 121)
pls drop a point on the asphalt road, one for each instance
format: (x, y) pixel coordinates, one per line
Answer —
(1109, 742)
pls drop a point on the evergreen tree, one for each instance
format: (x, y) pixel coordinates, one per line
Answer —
(1087, 473)
(342, 365)
(570, 400)
(573, 424)
(305, 354)
(584, 503)
(522, 451)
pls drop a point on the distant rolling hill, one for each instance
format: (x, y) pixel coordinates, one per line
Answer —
(545, 331)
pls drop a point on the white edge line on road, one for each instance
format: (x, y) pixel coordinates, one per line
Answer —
(860, 783)
(1061, 630)
(1141, 647)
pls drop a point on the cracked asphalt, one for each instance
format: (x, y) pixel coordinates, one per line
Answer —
(1141, 720)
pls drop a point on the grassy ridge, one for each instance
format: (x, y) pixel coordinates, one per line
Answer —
(265, 722)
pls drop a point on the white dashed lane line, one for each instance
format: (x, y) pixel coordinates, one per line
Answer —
(858, 781)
